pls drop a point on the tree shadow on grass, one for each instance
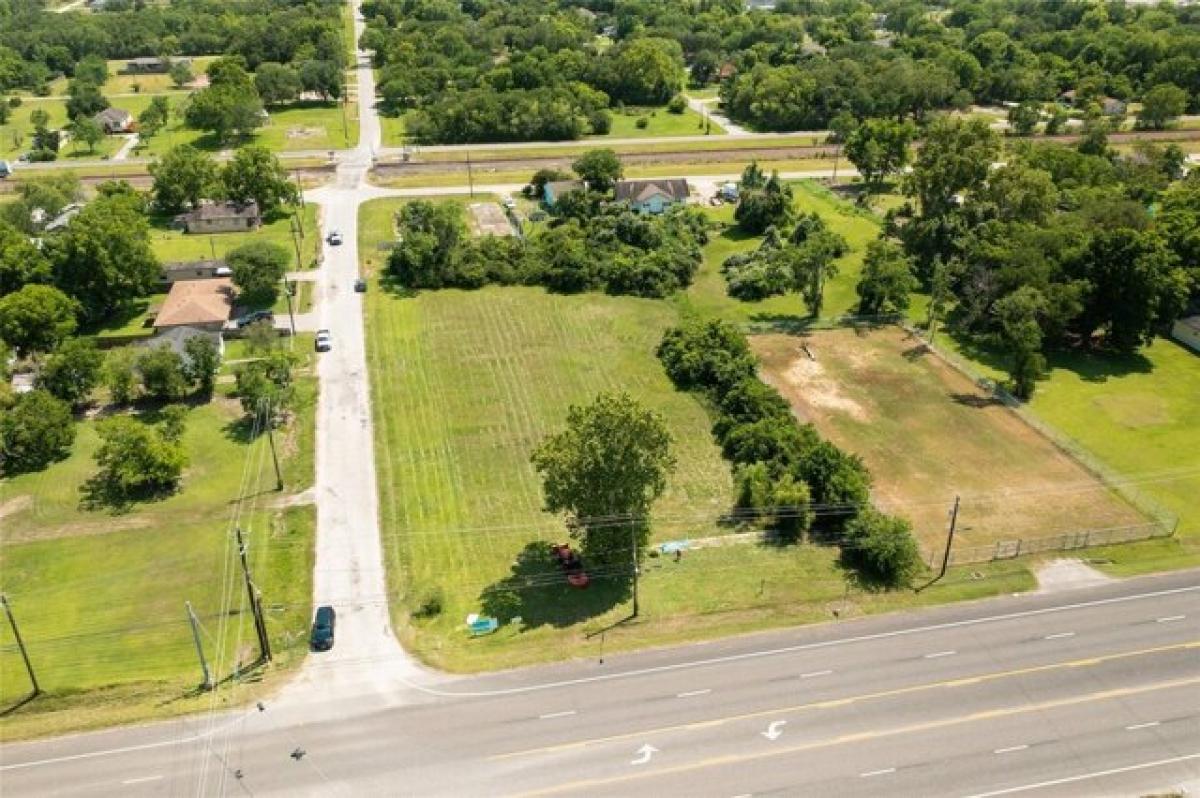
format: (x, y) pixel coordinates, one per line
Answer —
(536, 591)
(975, 400)
(243, 430)
(98, 493)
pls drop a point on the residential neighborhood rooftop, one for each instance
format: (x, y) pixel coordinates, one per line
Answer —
(197, 302)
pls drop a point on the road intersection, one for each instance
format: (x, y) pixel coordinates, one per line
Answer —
(1087, 692)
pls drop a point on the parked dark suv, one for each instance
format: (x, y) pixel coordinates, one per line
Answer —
(322, 630)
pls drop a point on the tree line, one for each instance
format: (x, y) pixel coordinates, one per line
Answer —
(785, 474)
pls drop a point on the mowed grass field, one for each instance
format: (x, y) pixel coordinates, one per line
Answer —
(927, 433)
(100, 593)
(465, 384)
(172, 245)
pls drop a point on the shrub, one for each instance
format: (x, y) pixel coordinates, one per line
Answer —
(34, 432)
(677, 105)
(430, 606)
(706, 355)
(642, 122)
(882, 549)
(600, 123)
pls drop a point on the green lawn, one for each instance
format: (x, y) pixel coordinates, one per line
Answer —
(707, 295)
(303, 126)
(16, 136)
(120, 83)
(173, 245)
(100, 593)
(660, 123)
(465, 384)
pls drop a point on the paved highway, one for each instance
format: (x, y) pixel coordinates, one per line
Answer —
(1090, 692)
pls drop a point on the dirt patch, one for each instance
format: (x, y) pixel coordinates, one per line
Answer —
(301, 132)
(14, 506)
(807, 379)
(928, 433)
(81, 529)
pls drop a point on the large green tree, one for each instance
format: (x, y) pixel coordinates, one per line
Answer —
(881, 549)
(887, 279)
(254, 173)
(605, 471)
(21, 261)
(1161, 105)
(136, 459)
(183, 177)
(37, 318)
(258, 268)
(35, 430)
(879, 148)
(71, 372)
(1021, 337)
(600, 169)
(104, 258)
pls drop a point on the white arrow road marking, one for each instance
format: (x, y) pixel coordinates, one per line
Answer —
(644, 754)
(775, 730)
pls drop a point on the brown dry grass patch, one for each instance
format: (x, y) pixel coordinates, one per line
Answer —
(927, 433)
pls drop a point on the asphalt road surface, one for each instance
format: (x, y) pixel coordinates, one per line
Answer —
(1090, 692)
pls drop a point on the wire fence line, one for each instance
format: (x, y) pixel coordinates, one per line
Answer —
(1069, 541)
(1146, 504)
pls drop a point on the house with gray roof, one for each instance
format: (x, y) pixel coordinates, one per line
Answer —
(653, 196)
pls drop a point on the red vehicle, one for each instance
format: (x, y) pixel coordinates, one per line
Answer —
(571, 564)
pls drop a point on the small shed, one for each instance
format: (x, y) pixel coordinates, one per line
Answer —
(1187, 332)
(179, 271)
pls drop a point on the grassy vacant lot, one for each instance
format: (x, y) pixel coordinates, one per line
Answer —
(99, 593)
(173, 245)
(660, 123)
(119, 83)
(928, 433)
(1138, 416)
(301, 126)
(16, 136)
(707, 294)
(465, 385)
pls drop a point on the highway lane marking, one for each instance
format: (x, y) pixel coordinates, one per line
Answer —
(771, 652)
(858, 737)
(123, 750)
(691, 693)
(1085, 776)
(142, 780)
(866, 638)
(1171, 618)
(562, 714)
(881, 772)
(812, 674)
(1137, 726)
(1012, 749)
(937, 654)
(838, 702)
(1059, 636)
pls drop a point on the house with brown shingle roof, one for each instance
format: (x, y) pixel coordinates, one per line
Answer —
(652, 196)
(203, 304)
(221, 217)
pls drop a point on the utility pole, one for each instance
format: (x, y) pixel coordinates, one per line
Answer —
(270, 416)
(20, 644)
(634, 552)
(949, 539)
(260, 626)
(207, 684)
(470, 176)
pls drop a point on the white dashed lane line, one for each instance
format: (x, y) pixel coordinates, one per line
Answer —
(882, 772)
(1059, 636)
(142, 780)
(550, 715)
(813, 674)
(691, 693)
(937, 654)
(1012, 749)
(1136, 726)
(1171, 618)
